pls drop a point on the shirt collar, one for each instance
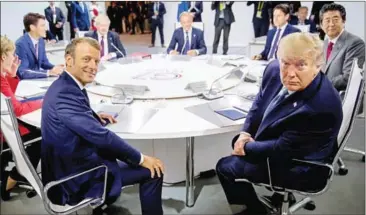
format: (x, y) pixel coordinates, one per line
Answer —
(100, 36)
(34, 41)
(336, 39)
(76, 80)
(283, 27)
(189, 31)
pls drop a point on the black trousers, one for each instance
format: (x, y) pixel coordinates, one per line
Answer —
(72, 32)
(221, 26)
(58, 32)
(260, 29)
(157, 24)
(140, 21)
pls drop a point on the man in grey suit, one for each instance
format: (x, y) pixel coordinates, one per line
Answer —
(223, 18)
(340, 46)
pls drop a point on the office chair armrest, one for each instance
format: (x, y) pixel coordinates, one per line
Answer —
(25, 144)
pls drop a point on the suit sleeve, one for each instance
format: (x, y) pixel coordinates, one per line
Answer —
(62, 17)
(46, 63)
(202, 45)
(200, 9)
(267, 47)
(47, 15)
(73, 16)
(214, 5)
(78, 117)
(23, 71)
(163, 9)
(172, 43)
(355, 50)
(120, 47)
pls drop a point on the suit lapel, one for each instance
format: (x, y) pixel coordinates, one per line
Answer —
(286, 31)
(31, 46)
(336, 49)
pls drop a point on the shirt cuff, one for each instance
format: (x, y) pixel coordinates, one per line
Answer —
(245, 133)
(141, 159)
(48, 73)
(198, 52)
(113, 54)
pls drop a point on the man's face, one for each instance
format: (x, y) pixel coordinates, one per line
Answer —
(302, 14)
(39, 28)
(103, 28)
(332, 23)
(84, 66)
(279, 18)
(186, 22)
(52, 3)
(297, 72)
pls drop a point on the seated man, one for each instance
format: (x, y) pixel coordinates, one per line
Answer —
(75, 140)
(190, 40)
(110, 43)
(301, 19)
(340, 46)
(281, 14)
(290, 118)
(32, 52)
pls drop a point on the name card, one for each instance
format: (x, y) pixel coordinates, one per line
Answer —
(180, 57)
(197, 87)
(133, 89)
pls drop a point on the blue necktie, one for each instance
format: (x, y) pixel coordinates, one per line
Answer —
(187, 46)
(274, 47)
(275, 101)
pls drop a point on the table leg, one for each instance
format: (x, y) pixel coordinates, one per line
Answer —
(190, 172)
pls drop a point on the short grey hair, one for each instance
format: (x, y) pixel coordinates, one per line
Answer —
(102, 18)
(71, 47)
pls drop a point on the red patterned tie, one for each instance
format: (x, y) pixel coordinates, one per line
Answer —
(329, 49)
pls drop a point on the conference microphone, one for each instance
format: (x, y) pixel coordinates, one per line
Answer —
(110, 39)
(118, 98)
(212, 93)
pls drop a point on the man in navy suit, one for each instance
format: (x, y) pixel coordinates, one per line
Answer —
(301, 19)
(297, 114)
(31, 50)
(56, 20)
(80, 16)
(75, 140)
(110, 43)
(281, 15)
(190, 40)
(156, 13)
(196, 8)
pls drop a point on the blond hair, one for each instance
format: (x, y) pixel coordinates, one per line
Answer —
(6, 45)
(102, 19)
(71, 47)
(302, 45)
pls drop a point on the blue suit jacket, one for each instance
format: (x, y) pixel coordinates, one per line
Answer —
(74, 140)
(112, 37)
(305, 125)
(295, 21)
(79, 18)
(270, 37)
(197, 41)
(49, 16)
(31, 67)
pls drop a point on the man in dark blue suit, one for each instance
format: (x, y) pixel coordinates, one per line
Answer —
(261, 17)
(80, 16)
(56, 20)
(31, 50)
(281, 15)
(110, 43)
(75, 140)
(156, 14)
(297, 114)
(301, 19)
(196, 8)
(190, 40)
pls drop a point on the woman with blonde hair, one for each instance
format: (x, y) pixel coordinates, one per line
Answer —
(9, 83)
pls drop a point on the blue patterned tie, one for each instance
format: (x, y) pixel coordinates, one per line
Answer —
(187, 46)
(275, 101)
(274, 47)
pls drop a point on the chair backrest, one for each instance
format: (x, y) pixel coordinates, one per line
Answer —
(351, 103)
(198, 25)
(9, 129)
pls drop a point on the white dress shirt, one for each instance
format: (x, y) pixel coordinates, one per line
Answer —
(53, 8)
(334, 41)
(106, 48)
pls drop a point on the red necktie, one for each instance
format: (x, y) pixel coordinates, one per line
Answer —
(329, 49)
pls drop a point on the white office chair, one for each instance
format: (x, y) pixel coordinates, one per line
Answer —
(351, 104)
(9, 128)
(198, 25)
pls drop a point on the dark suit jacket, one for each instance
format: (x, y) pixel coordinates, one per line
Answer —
(265, 12)
(59, 17)
(31, 67)
(270, 37)
(315, 9)
(69, 10)
(295, 21)
(197, 41)
(305, 125)
(228, 13)
(74, 140)
(79, 18)
(113, 38)
(199, 6)
(161, 10)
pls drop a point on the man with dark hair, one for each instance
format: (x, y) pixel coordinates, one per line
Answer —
(281, 14)
(301, 19)
(340, 46)
(314, 15)
(31, 50)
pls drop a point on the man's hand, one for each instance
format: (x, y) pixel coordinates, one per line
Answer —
(107, 57)
(192, 53)
(56, 70)
(76, 30)
(239, 145)
(257, 57)
(14, 67)
(154, 165)
(104, 116)
(312, 17)
(174, 52)
(156, 13)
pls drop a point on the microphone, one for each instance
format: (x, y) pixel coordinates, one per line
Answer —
(118, 98)
(212, 93)
(110, 39)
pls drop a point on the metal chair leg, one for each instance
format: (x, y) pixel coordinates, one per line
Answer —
(285, 205)
(342, 167)
(356, 151)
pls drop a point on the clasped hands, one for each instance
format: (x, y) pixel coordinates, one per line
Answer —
(240, 143)
(190, 52)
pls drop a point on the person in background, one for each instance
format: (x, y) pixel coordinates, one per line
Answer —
(9, 82)
(141, 15)
(109, 41)
(94, 12)
(281, 15)
(224, 17)
(56, 20)
(32, 52)
(302, 20)
(156, 14)
(113, 14)
(196, 8)
(314, 15)
(69, 18)
(80, 16)
(190, 40)
(261, 17)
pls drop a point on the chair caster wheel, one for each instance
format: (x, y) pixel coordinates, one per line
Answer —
(363, 158)
(31, 193)
(343, 171)
(310, 206)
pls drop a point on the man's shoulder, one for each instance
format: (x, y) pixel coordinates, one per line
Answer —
(293, 28)
(351, 38)
(21, 39)
(113, 34)
(90, 34)
(197, 30)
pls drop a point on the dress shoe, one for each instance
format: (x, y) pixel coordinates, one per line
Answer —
(151, 46)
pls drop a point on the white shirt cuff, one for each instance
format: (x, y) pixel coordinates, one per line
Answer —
(48, 73)
(245, 133)
(113, 54)
(141, 159)
(198, 52)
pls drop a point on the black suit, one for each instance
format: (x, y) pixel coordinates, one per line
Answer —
(114, 15)
(261, 17)
(157, 21)
(52, 25)
(69, 12)
(223, 23)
